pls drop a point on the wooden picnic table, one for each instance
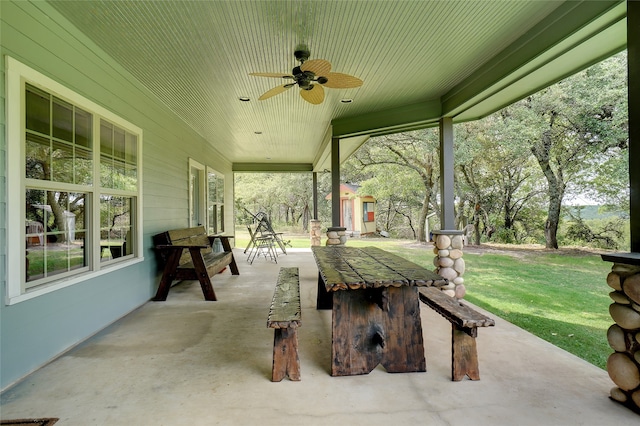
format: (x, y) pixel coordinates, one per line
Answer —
(375, 308)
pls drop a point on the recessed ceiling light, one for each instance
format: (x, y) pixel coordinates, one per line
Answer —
(244, 98)
(346, 101)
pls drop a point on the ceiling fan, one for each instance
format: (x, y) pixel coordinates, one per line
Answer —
(311, 76)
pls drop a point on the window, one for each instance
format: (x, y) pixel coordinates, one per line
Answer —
(368, 209)
(76, 172)
(215, 202)
(206, 197)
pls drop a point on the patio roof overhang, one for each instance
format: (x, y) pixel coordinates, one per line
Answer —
(420, 61)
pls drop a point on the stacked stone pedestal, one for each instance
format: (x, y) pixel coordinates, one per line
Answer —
(449, 262)
(623, 365)
(315, 233)
(336, 236)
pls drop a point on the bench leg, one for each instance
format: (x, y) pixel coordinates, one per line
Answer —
(203, 275)
(168, 275)
(464, 356)
(227, 248)
(285, 355)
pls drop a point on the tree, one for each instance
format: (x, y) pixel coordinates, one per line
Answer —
(415, 151)
(572, 127)
(284, 197)
(495, 175)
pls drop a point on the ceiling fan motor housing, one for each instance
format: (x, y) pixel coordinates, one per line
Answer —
(303, 78)
(302, 54)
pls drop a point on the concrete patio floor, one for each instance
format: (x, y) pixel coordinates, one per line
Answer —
(190, 362)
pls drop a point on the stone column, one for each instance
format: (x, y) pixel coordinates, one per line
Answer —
(623, 365)
(336, 236)
(315, 232)
(449, 262)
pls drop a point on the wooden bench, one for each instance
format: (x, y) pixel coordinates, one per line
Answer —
(284, 317)
(186, 254)
(465, 322)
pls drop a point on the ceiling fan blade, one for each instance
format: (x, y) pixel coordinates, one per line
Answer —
(275, 91)
(314, 95)
(338, 80)
(270, 74)
(317, 66)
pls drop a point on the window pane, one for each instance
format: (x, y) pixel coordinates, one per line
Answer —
(212, 188)
(37, 111)
(115, 227)
(220, 186)
(55, 233)
(62, 162)
(62, 120)
(84, 126)
(131, 181)
(106, 138)
(37, 165)
(118, 143)
(83, 167)
(119, 175)
(106, 171)
(213, 219)
(131, 149)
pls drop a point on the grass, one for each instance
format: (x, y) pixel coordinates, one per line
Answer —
(560, 297)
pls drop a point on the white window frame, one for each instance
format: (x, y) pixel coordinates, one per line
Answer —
(203, 193)
(201, 196)
(219, 206)
(17, 76)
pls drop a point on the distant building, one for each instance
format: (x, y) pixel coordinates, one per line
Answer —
(357, 212)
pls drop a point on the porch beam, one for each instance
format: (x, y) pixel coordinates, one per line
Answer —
(633, 64)
(446, 175)
(335, 181)
(272, 167)
(315, 195)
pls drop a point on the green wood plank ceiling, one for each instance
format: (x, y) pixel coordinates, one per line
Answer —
(419, 60)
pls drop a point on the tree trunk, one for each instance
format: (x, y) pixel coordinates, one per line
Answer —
(556, 187)
(422, 221)
(58, 214)
(305, 218)
(553, 214)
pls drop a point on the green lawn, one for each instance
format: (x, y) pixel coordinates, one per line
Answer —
(560, 297)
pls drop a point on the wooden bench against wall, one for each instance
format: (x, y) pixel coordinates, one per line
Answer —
(465, 322)
(186, 254)
(284, 317)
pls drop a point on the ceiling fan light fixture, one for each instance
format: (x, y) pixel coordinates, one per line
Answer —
(244, 99)
(346, 100)
(306, 74)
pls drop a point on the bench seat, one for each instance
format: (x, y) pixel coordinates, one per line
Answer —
(284, 317)
(465, 322)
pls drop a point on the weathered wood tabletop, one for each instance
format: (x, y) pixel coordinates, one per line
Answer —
(375, 308)
(345, 267)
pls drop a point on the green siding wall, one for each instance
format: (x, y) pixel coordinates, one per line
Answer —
(37, 330)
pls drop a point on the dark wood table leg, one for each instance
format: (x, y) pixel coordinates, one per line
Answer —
(324, 299)
(357, 332)
(404, 350)
(376, 326)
